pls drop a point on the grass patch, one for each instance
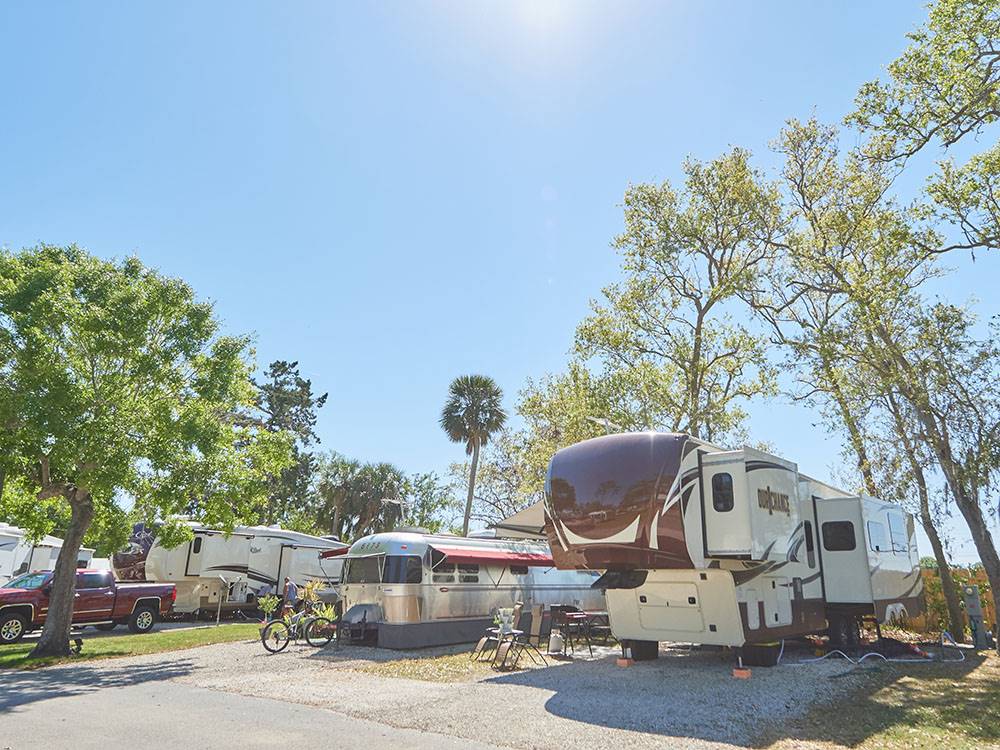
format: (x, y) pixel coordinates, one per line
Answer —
(903, 707)
(448, 668)
(16, 657)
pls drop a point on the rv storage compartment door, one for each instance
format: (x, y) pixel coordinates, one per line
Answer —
(670, 606)
(724, 501)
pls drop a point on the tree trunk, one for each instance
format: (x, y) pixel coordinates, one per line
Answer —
(472, 487)
(956, 617)
(973, 514)
(54, 640)
(335, 526)
(853, 431)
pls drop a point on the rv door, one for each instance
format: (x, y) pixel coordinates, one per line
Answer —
(844, 551)
(195, 556)
(724, 504)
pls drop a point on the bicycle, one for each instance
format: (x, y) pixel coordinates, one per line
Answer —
(317, 631)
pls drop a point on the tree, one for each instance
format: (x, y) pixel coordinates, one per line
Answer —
(114, 382)
(286, 403)
(944, 86)
(355, 499)
(689, 258)
(472, 413)
(428, 503)
(507, 481)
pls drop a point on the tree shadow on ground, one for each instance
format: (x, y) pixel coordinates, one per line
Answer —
(692, 693)
(21, 687)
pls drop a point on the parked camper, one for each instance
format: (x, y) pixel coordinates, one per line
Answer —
(19, 555)
(422, 589)
(727, 547)
(233, 568)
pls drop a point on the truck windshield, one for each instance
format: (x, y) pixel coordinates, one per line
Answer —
(27, 581)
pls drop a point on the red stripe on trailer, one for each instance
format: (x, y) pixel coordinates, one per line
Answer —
(475, 556)
(333, 552)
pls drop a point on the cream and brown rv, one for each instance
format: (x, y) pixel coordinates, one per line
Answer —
(730, 547)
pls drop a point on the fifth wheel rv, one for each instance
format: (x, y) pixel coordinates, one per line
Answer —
(235, 568)
(727, 547)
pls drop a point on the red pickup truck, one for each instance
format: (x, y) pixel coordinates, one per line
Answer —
(99, 601)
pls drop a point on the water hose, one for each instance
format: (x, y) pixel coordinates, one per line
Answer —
(896, 660)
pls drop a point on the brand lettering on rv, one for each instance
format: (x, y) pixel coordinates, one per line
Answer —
(771, 501)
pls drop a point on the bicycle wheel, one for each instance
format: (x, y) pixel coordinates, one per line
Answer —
(320, 631)
(276, 636)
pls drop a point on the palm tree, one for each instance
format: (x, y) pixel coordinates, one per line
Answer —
(471, 415)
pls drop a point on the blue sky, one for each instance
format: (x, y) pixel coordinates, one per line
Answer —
(397, 193)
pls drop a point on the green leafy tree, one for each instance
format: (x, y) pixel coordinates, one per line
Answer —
(429, 503)
(671, 328)
(355, 499)
(114, 383)
(471, 415)
(942, 89)
(507, 481)
(286, 403)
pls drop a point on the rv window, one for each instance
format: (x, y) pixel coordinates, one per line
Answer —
(444, 573)
(838, 536)
(810, 545)
(897, 534)
(197, 545)
(519, 570)
(722, 493)
(363, 570)
(876, 537)
(402, 569)
(468, 574)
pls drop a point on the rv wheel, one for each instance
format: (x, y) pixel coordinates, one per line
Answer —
(645, 650)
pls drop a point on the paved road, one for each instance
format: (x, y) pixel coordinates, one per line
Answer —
(142, 709)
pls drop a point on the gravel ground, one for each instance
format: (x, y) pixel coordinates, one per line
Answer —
(686, 699)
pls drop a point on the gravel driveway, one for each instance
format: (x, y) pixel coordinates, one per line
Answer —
(686, 699)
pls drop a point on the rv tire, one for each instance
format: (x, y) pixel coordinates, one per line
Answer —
(142, 620)
(644, 650)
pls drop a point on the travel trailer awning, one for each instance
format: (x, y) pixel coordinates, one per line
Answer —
(478, 556)
(333, 552)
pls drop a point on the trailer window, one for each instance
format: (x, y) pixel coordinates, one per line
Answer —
(838, 536)
(810, 545)
(444, 573)
(876, 537)
(197, 545)
(403, 569)
(468, 574)
(722, 493)
(897, 534)
(363, 570)
(519, 570)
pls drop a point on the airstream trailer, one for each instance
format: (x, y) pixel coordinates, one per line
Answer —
(416, 589)
(728, 547)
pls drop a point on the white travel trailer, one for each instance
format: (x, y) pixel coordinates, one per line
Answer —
(727, 547)
(414, 589)
(19, 555)
(231, 570)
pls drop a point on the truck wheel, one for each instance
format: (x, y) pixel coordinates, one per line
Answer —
(142, 620)
(105, 626)
(12, 627)
(645, 650)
